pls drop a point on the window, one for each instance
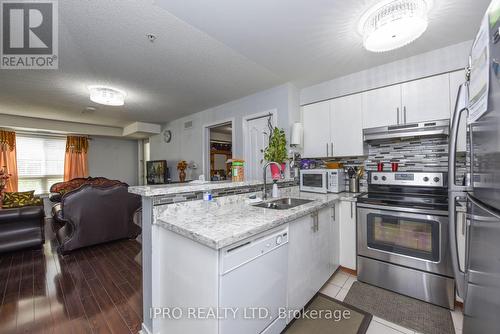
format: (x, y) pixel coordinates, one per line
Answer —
(40, 162)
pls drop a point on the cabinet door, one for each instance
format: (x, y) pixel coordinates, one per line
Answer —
(456, 79)
(323, 248)
(426, 99)
(381, 107)
(348, 234)
(300, 262)
(316, 119)
(346, 119)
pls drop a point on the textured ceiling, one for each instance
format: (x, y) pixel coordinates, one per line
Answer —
(206, 53)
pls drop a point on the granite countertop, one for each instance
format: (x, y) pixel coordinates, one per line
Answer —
(167, 189)
(227, 220)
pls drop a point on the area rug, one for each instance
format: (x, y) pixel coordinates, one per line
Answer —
(404, 311)
(337, 318)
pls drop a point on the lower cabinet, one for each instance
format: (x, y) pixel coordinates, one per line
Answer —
(347, 234)
(311, 255)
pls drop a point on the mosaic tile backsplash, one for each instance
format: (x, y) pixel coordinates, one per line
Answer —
(413, 154)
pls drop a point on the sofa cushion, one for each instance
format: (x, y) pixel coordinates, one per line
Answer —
(20, 199)
(25, 213)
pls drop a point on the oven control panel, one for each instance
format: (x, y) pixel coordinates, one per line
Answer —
(418, 179)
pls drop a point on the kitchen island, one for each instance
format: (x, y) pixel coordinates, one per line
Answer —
(198, 260)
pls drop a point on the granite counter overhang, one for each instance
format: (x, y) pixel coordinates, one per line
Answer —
(225, 221)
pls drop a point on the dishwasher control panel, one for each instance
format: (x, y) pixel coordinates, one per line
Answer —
(248, 250)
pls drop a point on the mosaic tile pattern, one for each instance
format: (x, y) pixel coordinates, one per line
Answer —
(413, 154)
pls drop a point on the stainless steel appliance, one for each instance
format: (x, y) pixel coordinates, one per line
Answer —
(422, 129)
(322, 180)
(479, 100)
(402, 228)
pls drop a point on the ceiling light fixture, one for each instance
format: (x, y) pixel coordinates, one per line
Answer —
(392, 24)
(107, 96)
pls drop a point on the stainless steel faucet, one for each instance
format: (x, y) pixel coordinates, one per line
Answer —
(264, 192)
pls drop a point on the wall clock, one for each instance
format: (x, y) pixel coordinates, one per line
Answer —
(167, 136)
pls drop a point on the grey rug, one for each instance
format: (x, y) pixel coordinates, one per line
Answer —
(405, 311)
(357, 321)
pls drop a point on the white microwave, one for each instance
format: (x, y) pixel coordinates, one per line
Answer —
(322, 180)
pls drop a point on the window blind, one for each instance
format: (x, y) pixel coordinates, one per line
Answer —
(40, 162)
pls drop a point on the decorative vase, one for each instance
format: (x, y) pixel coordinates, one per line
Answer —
(275, 172)
(182, 175)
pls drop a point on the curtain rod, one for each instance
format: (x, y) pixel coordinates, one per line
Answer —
(258, 117)
(43, 134)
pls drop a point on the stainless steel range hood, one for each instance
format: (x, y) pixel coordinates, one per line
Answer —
(440, 128)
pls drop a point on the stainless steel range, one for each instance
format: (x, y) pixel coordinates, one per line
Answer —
(403, 236)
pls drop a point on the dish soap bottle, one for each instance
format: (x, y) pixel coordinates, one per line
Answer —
(276, 192)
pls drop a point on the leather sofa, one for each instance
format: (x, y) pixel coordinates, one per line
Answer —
(94, 214)
(21, 228)
(57, 190)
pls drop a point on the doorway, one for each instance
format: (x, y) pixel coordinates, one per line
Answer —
(256, 131)
(221, 151)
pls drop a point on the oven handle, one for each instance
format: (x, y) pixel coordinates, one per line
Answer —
(400, 209)
(459, 274)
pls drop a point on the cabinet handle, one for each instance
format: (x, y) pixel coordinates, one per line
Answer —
(333, 212)
(315, 222)
(352, 211)
(464, 221)
(327, 150)
(331, 146)
(404, 110)
(397, 113)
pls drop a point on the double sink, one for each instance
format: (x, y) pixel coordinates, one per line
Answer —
(283, 203)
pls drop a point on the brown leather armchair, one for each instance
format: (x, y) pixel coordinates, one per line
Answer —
(92, 215)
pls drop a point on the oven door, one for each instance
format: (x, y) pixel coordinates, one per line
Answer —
(413, 238)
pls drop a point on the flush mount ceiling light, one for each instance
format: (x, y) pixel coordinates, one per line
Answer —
(392, 24)
(107, 96)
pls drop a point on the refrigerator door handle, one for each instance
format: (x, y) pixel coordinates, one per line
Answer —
(459, 274)
(452, 149)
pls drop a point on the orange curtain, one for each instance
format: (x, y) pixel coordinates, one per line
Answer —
(75, 160)
(8, 158)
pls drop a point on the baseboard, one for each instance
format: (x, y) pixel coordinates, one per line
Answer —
(348, 271)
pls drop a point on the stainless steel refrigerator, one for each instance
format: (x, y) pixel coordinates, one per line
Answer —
(479, 101)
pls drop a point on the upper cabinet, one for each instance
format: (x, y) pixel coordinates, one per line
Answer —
(316, 119)
(426, 99)
(346, 125)
(334, 128)
(381, 107)
(456, 79)
(414, 101)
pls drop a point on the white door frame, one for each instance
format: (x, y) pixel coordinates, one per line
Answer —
(273, 112)
(206, 142)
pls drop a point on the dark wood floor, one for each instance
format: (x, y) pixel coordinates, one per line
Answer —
(93, 290)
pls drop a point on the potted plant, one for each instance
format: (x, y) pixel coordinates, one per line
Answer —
(4, 178)
(276, 151)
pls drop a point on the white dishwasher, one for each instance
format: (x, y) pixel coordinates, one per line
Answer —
(253, 279)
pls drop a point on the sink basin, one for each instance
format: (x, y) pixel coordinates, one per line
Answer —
(283, 203)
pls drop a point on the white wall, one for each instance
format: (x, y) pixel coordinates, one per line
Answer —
(115, 159)
(188, 144)
(450, 58)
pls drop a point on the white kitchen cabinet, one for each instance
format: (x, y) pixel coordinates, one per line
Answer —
(381, 107)
(311, 255)
(426, 99)
(346, 124)
(316, 119)
(456, 79)
(300, 262)
(347, 234)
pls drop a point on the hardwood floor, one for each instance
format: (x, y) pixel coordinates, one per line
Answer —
(93, 290)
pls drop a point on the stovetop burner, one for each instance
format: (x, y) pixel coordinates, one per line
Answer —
(425, 190)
